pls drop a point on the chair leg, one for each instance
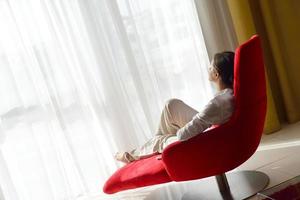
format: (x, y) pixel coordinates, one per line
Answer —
(224, 186)
(222, 183)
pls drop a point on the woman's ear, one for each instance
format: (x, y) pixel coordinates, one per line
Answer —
(216, 75)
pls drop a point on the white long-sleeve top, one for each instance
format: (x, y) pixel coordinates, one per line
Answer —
(218, 111)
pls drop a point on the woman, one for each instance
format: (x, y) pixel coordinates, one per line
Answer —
(181, 122)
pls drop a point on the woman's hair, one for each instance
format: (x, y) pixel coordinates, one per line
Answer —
(224, 62)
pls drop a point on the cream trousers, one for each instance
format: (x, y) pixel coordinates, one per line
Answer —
(174, 115)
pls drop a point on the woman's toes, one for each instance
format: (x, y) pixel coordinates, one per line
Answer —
(124, 157)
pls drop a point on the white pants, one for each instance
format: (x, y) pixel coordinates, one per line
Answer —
(175, 115)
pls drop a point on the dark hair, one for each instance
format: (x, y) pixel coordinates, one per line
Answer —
(224, 62)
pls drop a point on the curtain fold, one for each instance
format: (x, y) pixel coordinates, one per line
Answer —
(282, 28)
(81, 80)
(217, 26)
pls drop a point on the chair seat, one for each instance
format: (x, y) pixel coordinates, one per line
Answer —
(140, 173)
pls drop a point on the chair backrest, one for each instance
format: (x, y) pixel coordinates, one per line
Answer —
(249, 74)
(250, 93)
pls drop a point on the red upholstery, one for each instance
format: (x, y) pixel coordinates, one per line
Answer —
(149, 171)
(217, 150)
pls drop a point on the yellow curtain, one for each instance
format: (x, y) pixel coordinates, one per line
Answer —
(278, 24)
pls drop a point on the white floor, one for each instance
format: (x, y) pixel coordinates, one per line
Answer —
(278, 156)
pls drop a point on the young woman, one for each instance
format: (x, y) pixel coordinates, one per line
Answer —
(181, 122)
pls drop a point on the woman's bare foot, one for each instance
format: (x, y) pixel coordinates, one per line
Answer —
(124, 157)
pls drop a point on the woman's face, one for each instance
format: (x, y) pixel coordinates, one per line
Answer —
(212, 72)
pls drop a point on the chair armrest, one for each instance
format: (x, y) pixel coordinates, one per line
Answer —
(209, 153)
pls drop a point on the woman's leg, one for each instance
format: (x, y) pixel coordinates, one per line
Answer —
(174, 115)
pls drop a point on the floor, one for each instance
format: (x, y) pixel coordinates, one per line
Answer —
(278, 156)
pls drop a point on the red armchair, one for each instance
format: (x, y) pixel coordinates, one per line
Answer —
(217, 150)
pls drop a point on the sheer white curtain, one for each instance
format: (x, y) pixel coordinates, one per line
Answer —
(82, 79)
(217, 26)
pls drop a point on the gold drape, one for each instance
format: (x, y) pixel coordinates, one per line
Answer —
(278, 24)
